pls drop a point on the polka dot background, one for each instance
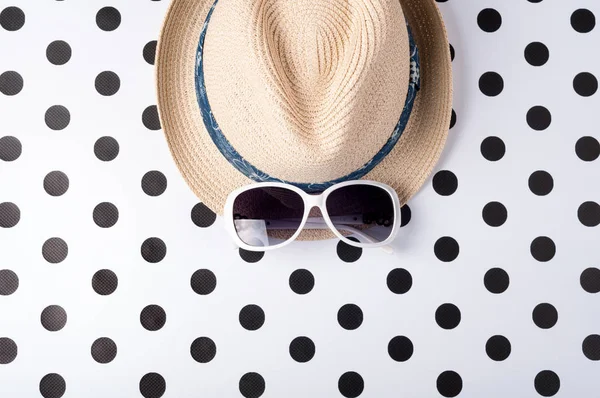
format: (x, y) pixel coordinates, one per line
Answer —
(116, 281)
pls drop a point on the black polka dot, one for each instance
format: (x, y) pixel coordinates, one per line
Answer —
(545, 315)
(590, 280)
(534, 1)
(491, 84)
(252, 385)
(541, 183)
(489, 20)
(399, 281)
(585, 84)
(302, 281)
(543, 249)
(149, 52)
(498, 348)
(104, 350)
(351, 384)
(105, 282)
(57, 117)
(494, 214)
(536, 53)
(348, 253)
(302, 349)
(55, 250)
(56, 183)
(12, 18)
(496, 280)
(10, 215)
(53, 318)
(107, 83)
(58, 52)
(8, 350)
(203, 281)
(10, 148)
(106, 149)
(447, 316)
(547, 383)
(154, 250)
(452, 53)
(400, 348)
(453, 119)
(250, 256)
(589, 214)
(11, 83)
(539, 118)
(493, 149)
(154, 183)
(152, 385)
(153, 317)
(445, 182)
(203, 349)
(590, 347)
(150, 118)
(252, 317)
(586, 148)
(108, 19)
(202, 216)
(9, 282)
(53, 385)
(446, 249)
(350, 316)
(583, 20)
(105, 215)
(405, 215)
(449, 383)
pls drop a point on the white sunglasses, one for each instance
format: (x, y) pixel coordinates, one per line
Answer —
(270, 215)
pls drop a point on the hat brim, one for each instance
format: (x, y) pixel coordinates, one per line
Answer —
(211, 177)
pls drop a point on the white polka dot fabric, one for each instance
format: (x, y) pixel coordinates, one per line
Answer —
(116, 282)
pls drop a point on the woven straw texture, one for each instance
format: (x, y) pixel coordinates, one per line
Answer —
(323, 82)
(306, 102)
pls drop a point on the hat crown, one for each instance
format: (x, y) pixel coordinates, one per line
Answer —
(323, 82)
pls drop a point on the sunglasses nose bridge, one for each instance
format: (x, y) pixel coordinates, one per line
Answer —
(312, 201)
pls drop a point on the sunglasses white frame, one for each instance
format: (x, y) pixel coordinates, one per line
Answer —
(310, 201)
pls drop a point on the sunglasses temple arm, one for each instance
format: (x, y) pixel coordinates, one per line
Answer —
(388, 249)
(319, 224)
(357, 232)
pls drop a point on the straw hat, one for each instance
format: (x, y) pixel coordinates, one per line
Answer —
(309, 92)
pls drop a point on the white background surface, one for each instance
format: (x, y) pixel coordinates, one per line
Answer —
(265, 283)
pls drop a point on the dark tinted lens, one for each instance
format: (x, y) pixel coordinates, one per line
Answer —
(365, 211)
(267, 216)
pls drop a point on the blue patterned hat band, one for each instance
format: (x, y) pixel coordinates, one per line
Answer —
(250, 171)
